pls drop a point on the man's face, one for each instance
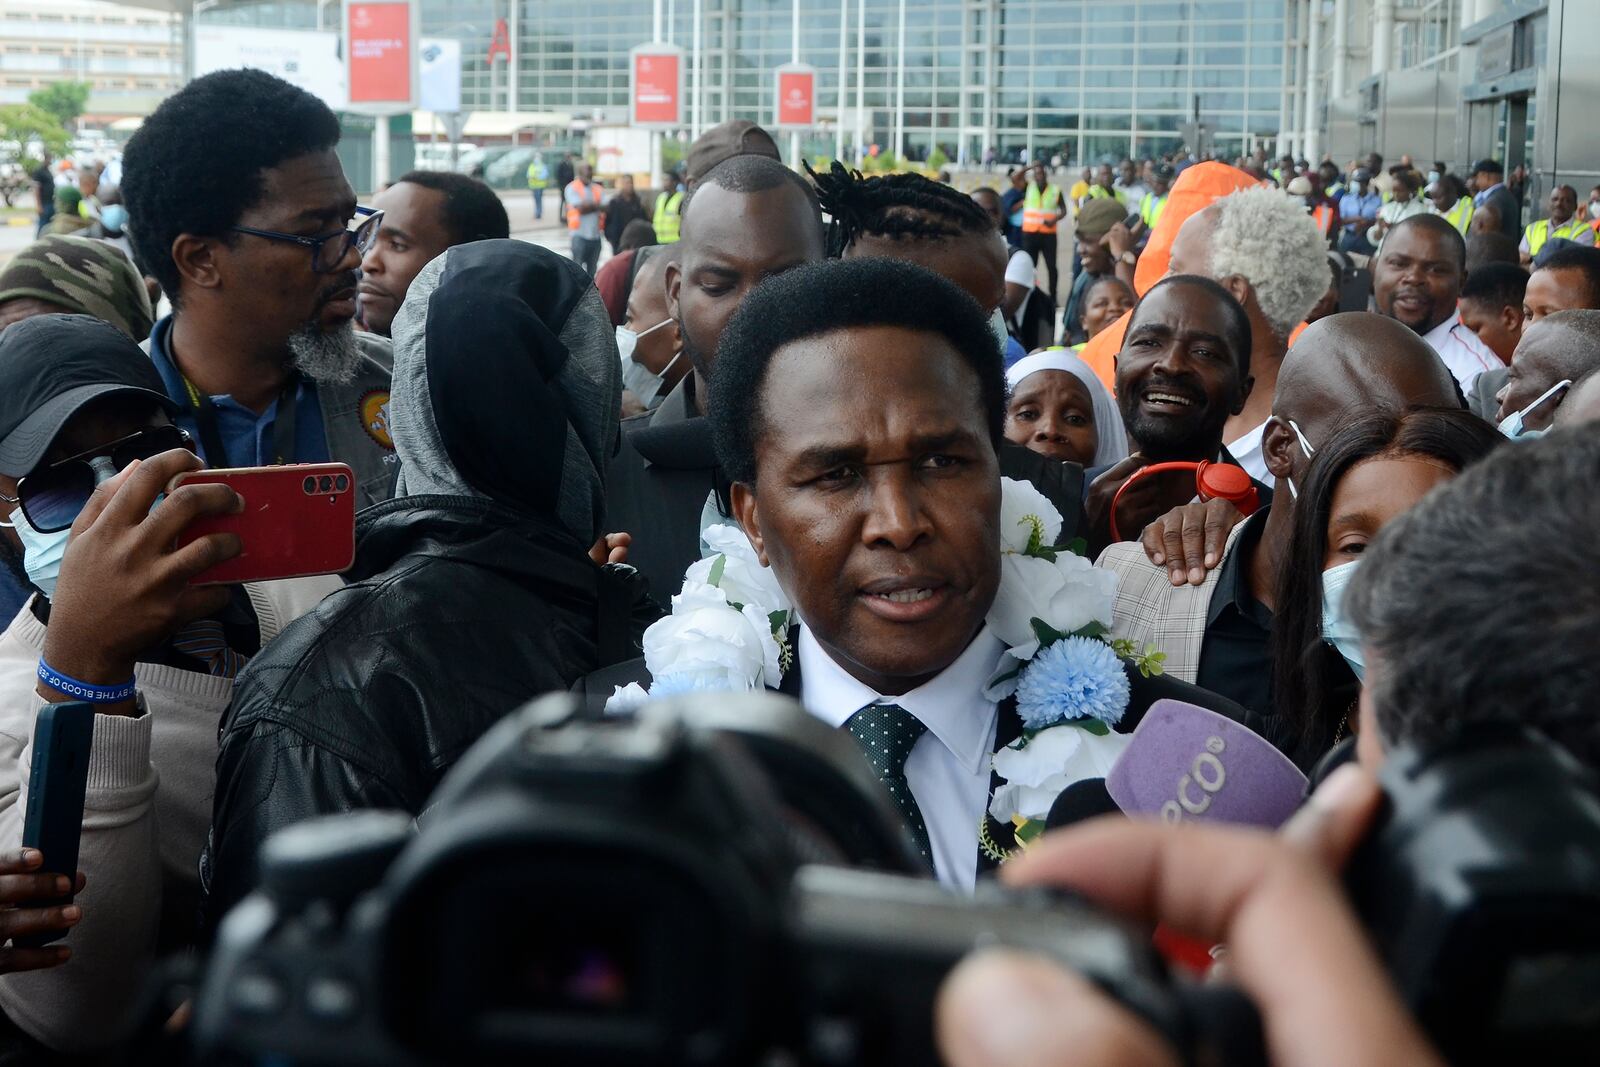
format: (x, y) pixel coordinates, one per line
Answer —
(1563, 202)
(1102, 176)
(585, 173)
(1177, 374)
(1498, 327)
(877, 499)
(98, 423)
(413, 233)
(990, 203)
(1534, 369)
(1328, 174)
(1550, 291)
(731, 242)
(625, 185)
(658, 344)
(1019, 181)
(1095, 257)
(1128, 173)
(1484, 179)
(976, 263)
(1418, 277)
(269, 284)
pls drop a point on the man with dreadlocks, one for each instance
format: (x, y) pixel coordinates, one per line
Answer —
(910, 218)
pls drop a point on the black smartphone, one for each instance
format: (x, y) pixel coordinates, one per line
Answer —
(1133, 222)
(62, 736)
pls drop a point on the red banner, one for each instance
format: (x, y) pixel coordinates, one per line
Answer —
(657, 83)
(797, 97)
(380, 46)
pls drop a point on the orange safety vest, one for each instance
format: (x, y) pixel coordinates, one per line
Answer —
(1322, 214)
(1040, 209)
(572, 212)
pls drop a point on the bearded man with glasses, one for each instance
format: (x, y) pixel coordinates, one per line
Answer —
(87, 448)
(239, 207)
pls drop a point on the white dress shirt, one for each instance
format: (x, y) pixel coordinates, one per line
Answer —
(948, 769)
(1247, 450)
(1465, 355)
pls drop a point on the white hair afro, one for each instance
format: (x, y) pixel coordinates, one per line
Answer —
(1268, 239)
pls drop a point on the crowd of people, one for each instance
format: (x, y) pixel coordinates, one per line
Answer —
(843, 388)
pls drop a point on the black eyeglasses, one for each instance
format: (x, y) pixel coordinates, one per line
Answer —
(51, 499)
(328, 252)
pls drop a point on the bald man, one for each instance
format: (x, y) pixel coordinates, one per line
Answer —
(1561, 347)
(1216, 632)
(1581, 407)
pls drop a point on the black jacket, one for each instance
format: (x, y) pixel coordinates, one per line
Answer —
(459, 611)
(619, 212)
(666, 467)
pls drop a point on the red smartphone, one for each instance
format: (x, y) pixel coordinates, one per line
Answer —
(298, 519)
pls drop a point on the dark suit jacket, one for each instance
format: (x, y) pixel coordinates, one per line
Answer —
(665, 467)
(595, 688)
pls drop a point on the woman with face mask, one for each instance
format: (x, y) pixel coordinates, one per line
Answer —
(1361, 478)
(647, 341)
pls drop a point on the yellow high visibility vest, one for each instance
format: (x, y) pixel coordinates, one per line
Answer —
(1039, 209)
(1151, 207)
(1539, 232)
(1098, 192)
(1460, 216)
(668, 210)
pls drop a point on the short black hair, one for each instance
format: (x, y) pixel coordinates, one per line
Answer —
(1580, 258)
(1481, 604)
(751, 174)
(1497, 285)
(894, 205)
(1239, 334)
(472, 211)
(835, 295)
(1441, 226)
(1304, 686)
(195, 165)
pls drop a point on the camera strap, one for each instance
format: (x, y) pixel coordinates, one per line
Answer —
(203, 410)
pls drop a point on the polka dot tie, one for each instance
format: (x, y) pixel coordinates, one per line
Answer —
(886, 733)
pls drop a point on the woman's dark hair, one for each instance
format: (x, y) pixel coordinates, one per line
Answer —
(894, 205)
(1303, 674)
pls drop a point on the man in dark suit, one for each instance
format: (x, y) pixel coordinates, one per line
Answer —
(748, 219)
(856, 410)
(1489, 185)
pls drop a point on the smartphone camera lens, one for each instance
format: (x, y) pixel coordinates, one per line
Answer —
(341, 483)
(325, 484)
(309, 485)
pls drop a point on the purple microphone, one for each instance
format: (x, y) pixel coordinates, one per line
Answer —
(1188, 763)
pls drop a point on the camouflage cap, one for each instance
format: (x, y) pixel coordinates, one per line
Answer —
(84, 276)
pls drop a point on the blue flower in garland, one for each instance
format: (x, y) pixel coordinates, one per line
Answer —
(1074, 678)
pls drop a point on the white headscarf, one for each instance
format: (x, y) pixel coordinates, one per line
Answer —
(1112, 437)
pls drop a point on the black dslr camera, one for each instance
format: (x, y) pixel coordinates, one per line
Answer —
(722, 882)
(1481, 890)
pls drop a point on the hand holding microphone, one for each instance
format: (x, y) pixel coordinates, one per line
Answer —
(1295, 947)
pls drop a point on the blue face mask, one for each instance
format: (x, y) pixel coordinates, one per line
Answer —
(1512, 426)
(1337, 629)
(113, 217)
(41, 554)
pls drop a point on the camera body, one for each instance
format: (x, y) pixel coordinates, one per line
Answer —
(721, 883)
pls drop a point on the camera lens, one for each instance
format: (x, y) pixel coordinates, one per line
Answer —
(325, 484)
(309, 485)
(341, 483)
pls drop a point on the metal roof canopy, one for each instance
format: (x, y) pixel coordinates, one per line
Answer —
(497, 123)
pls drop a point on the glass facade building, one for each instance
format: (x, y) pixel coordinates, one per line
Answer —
(1084, 79)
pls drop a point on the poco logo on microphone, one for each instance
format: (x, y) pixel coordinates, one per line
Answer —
(1204, 779)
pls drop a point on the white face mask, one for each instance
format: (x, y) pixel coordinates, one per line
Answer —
(1337, 629)
(1594, 209)
(636, 377)
(1511, 425)
(1305, 447)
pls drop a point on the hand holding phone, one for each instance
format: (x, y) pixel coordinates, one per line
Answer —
(124, 586)
(296, 520)
(62, 737)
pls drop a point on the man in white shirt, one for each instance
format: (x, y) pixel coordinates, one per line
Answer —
(857, 406)
(1416, 281)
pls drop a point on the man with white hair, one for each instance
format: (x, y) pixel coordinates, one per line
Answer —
(1262, 247)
